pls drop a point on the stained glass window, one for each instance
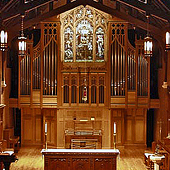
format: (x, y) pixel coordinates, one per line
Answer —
(84, 30)
(68, 44)
(99, 44)
(84, 41)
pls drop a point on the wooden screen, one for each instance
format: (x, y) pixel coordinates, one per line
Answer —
(93, 89)
(73, 88)
(101, 89)
(66, 89)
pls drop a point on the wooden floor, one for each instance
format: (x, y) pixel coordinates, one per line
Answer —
(31, 159)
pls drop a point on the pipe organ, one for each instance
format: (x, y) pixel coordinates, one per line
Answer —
(85, 53)
(36, 67)
(118, 55)
(50, 54)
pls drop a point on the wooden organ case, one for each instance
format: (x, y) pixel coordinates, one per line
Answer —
(54, 73)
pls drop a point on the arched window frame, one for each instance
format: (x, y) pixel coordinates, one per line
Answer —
(72, 18)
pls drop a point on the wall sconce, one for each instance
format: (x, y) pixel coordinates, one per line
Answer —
(22, 39)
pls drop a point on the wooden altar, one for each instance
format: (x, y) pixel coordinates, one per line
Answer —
(75, 159)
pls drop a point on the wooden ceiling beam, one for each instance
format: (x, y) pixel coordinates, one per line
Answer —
(113, 12)
(24, 8)
(147, 8)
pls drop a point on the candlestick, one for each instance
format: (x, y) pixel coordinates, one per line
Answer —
(114, 127)
(46, 135)
(45, 141)
(114, 140)
(45, 127)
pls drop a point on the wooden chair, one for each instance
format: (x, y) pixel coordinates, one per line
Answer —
(148, 162)
(12, 141)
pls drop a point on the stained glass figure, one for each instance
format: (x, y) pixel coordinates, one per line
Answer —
(68, 44)
(84, 41)
(99, 44)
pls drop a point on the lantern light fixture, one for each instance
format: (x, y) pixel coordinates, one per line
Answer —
(22, 39)
(3, 39)
(167, 40)
(148, 44)
(167, 48)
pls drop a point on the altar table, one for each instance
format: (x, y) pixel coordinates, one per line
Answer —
(80, 159)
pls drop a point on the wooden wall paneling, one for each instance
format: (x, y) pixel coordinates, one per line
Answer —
(60, 129)
(27, 126)
(50, 116)
(22, 138)
(139, 130)
(140, 126)
(128, 131)
(129, 126)
(118, 117)
(106, 123)
(69, 89)
(78, 83)
(61, 99)
(90, 89)
(38, 126)
(97, 95)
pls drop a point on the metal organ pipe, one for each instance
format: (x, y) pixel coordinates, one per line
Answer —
(55, 69)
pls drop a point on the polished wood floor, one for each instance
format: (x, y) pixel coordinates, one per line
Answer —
(30, 158)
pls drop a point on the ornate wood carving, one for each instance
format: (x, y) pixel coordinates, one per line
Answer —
(80, 160)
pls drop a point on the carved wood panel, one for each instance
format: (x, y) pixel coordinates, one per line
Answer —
(50, 116)
(57, 163)
(80, 160)
(102, 163)
(130, 126)
(80, 164)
